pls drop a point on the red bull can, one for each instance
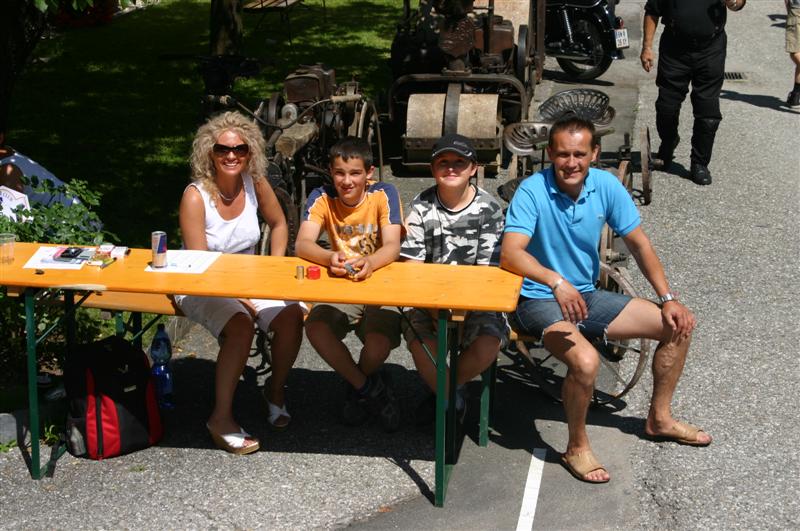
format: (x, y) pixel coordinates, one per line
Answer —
(158, 240)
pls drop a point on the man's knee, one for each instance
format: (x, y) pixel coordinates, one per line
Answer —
(584, 365)
(567, 344)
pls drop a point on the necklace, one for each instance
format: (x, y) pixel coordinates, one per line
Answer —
(226, 198)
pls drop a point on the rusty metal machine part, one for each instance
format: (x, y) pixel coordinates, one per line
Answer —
(525, 138)
(589, 104)
(456, 70)
(471, 115)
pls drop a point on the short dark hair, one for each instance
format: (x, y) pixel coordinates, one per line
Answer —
(351, 147)
(573, 123)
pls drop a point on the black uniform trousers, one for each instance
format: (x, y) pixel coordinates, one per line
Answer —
(702, 63)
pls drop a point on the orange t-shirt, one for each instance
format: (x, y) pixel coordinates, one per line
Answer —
(355, 230)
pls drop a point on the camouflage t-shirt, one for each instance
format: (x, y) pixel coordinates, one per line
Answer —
(470, 236)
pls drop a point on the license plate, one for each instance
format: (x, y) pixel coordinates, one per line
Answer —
(621, 36)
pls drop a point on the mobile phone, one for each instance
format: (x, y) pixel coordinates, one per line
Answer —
(69, 253)
(74, 254)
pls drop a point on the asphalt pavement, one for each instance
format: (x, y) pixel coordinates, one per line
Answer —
(731, 251)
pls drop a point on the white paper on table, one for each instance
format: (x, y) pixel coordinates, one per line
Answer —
(183, 261)
(43, 259)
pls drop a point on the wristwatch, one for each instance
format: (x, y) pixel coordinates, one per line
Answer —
(667, 297)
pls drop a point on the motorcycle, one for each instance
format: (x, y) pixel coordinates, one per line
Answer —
(584, 36)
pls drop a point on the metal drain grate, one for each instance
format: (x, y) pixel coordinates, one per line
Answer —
(735, 76)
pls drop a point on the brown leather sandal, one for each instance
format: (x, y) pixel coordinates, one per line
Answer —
(579, 465)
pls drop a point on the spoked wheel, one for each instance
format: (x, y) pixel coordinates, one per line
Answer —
(647, 166)
(598, 61)
(290, 212)
(366, 125)
(524, 66)
(621, 362)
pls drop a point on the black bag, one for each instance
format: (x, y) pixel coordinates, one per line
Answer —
(112, 400)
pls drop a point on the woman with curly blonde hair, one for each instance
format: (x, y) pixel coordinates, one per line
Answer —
(219, 212)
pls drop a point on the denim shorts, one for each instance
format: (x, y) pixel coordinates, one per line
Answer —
(533, 316)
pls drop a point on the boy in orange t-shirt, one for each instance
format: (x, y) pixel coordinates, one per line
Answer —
(363, 219)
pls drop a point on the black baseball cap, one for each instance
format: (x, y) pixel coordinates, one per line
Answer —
(455, 143)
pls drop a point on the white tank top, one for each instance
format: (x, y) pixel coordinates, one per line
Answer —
(237, 235)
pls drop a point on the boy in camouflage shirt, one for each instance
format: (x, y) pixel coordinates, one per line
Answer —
(453, 222)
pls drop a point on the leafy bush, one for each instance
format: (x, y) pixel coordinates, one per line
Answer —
(53, 223)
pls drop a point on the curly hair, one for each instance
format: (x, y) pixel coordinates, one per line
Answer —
(201, 160)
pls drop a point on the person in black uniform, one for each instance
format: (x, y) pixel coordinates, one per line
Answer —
(691, 50)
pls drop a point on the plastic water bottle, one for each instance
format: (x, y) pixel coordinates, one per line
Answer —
(161, 352)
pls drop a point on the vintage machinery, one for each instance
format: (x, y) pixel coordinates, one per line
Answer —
(584, 36)
(300, 123)
(457, 68)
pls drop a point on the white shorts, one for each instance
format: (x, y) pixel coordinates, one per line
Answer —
(213, 313)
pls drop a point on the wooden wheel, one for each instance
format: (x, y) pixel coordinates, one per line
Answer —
(647, 166)
(625, 175)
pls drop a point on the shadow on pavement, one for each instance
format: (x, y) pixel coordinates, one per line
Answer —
(314, 399)
(757, 100)
(514, 427)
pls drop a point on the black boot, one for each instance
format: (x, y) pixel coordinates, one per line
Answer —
(703, 134)
(667, 126)
(700, 174)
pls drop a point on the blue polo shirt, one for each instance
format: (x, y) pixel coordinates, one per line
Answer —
(565, 234)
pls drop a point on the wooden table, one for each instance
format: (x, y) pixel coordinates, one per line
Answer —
(436, 286)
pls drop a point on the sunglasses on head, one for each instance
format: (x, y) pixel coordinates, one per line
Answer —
(222, 150)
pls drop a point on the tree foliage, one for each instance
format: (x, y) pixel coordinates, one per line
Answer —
(54, 223)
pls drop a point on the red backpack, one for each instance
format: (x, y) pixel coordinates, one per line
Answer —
(112, 400)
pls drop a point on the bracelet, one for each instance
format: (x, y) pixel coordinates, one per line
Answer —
(556, 284)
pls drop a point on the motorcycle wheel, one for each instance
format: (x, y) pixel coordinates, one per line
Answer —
(587, 35)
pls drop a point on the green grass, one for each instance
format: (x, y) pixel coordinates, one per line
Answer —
(99, 105)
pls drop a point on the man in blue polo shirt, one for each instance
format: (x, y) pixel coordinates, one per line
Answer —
(551, 238)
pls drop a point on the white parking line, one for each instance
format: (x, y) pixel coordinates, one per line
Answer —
(531, 496)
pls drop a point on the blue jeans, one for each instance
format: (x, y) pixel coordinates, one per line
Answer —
(533, 316)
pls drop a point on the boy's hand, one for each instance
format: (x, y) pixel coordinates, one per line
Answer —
(362, 267)
(337, 264)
